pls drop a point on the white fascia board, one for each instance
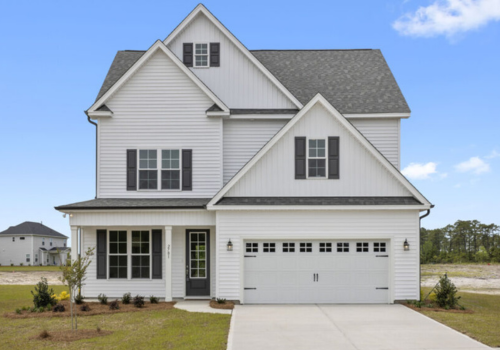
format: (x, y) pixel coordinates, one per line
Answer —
(317, 207)
(202, 9)
(377, 115)
(100, 114)
(158, 45)
(262, 116)
(218, 114)
(328, 106)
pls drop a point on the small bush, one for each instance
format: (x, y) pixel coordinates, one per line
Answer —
(114, 305)
(153, 299)
(418, 304)
(21, 264)
(103, 299)
(18, 311)
(126, 298)
(446, 293)
(98, 329)
(85, 307)
(221, 301)
(138, 301)
(43, 296)
(33, 309)
(462, 307)
(11, 264)
(41, 309)
(44, 334)
(79, 299)
(59, 308)
(25, 308)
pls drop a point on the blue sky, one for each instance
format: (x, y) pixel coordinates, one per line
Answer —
(445, 56)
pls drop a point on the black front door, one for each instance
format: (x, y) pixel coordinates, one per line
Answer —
(198, 263)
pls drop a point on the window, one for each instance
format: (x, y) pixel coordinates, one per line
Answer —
(170, 173)
(342, 247)
(118, 254)
(252, 247)
(47, 259)
(36, 257)
(269, 247)
(317, 158)
(288, 247)
(362, 247)
(325, 247)
(21, 238)
(379, 247)
(13, 239)
(201, 55)
(198, 249)
(28, 258)
(306, 247)
(140, 254)
(148, 174)
(51, 242)
(64, 244)
(43, 241)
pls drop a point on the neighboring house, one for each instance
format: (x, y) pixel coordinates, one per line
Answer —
(32, 243)
(259, 176)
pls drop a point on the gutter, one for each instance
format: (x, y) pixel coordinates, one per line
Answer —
(419, 264)
(91, 122)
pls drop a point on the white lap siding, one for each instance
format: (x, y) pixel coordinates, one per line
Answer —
(321, 224)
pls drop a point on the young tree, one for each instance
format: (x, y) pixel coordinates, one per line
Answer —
(74, 276)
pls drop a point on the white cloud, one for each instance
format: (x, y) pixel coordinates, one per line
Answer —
(493, 154)
(474, 164)
(417, 171)
(448, 17)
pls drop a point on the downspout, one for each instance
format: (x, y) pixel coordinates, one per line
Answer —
(91, 122)
(419, 264)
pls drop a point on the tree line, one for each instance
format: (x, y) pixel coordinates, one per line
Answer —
(462, 242)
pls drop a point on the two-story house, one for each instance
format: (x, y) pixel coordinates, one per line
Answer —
(32, 243)
(267, 176)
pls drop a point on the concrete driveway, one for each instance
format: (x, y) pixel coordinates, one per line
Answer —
(343, 327)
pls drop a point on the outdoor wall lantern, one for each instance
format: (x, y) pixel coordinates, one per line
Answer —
(229, 246)
(406, 245)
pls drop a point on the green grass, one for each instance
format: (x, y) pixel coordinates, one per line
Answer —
(482, 325)
(169, 329)
(28, 268)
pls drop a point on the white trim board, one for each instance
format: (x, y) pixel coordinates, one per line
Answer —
(158, 45)
(346, 124)
(203, 10)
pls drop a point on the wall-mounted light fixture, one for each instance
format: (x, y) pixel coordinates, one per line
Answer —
(406, 245)
(229, 246)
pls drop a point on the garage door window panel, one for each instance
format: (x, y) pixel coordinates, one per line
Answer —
(362, 247)
(325, 247)
(379, 247)
(342, 247)
(306, 247)
(288, 247)
(252, 247)
(269, 248)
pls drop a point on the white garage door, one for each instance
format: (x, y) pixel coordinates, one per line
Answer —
(329, 271)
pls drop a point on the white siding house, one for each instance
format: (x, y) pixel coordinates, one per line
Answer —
(257, 176)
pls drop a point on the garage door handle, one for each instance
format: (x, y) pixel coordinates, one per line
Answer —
(381, 256)
(250, 288)
(317, 277)
(250, 256)
(382, 288)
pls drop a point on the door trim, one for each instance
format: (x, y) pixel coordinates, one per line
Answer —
(207, 262)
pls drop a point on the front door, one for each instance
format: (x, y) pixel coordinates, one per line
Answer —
(198, 263)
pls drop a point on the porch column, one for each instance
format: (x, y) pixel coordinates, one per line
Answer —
(168, 263)
(74, 243)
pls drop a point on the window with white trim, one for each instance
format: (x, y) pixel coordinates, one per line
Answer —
(252, 247)
(28, 258)
(289, 247)
(362, 247)
(21, 238)
(118, 258)
(170, 169)
(13, 239)
(379, 247)
(148, 169)
(43, 240)
(316, 158)
(325, 247)
(141, 257)
(342, 247)
(36, 257)
(269, 248)
(51, 242)
(201, 55)
(305, 247)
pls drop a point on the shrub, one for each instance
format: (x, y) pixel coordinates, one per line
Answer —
(85, 307)
(114, 305)
(103, 299)
(98, 329)
(21, 264)
(43, 296)
(153, 299)
(138, 301)
(64, 295)
(59, 308)
(79, 299)
(221, 301)
(18, 311)
(44, 334)
(11, 264)
(126, 298)
(418, 304)
(446, 293)
(33, 309)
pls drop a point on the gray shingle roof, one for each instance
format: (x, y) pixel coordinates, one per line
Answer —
(32, 228)
(138, 203)
(353, 81)
(318, 201)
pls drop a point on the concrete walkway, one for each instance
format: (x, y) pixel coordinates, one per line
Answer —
(199, 306)
(343, 327)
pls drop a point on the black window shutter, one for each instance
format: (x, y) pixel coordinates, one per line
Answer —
(101, 254)
(214, 54)
(333, 157)
(187, 170)
(131, 170)
(187, 54)
(300, 158)
(157, 255)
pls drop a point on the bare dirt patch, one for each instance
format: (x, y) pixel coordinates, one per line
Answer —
(29, 277)
(229, 305)
(69, 336)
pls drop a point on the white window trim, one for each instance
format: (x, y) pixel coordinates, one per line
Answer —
(150, 254)
(158, 169)
(325, 158)
(108, 254)
(180, 169)
(129, 254)
(208, 55)
(28, 258)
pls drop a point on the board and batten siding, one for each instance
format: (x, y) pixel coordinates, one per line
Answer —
(237, 82)
(160, 107)
(384, 134)
(361, 174)
(243, 139)
(321, 224)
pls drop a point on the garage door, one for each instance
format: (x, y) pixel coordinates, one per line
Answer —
(329, 271)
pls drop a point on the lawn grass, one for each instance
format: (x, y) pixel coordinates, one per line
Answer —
(28, 268)
(170, 329)
(482, 325)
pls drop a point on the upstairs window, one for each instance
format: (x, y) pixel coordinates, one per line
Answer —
(170, 169)
(317, 158)
(51, 242)
(148, 173)
(13, 239)
(21, 238)
(201, 55)
(43, 241)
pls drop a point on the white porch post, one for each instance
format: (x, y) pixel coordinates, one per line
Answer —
(168, 263)
(74, 243)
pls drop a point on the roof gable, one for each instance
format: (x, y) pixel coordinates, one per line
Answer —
(32, 228)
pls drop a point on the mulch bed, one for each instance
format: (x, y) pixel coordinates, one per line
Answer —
(228, 305)
(95, 309)
(69, 335)
(438, 309)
